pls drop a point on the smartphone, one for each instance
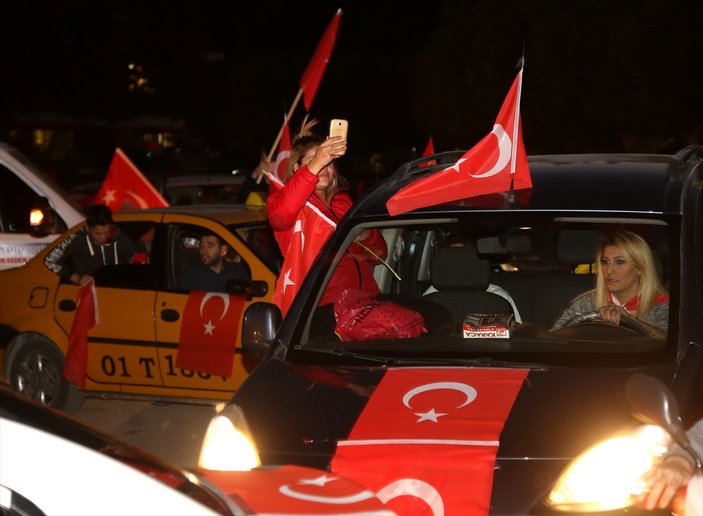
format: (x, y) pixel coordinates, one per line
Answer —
(339, 127)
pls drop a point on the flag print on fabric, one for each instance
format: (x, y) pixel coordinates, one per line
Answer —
(311, 231)
(427, 439)
(312, 75)
(125, 187)
(209, 331)
(75, 368)
(488, 167)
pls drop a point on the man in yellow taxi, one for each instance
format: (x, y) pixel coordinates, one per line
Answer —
(133, 348)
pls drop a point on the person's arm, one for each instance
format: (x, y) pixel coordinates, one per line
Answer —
(581, 304)
(54, 261)
(283, 206)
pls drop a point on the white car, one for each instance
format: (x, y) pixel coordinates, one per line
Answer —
(52, 464)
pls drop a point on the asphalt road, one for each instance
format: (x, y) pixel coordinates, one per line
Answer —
(172, 432)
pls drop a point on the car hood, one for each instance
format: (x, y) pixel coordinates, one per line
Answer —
(299, 414)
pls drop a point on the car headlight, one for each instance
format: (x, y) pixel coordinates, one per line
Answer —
(607, 476)
(228, 445)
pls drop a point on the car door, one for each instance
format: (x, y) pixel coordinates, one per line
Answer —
(181, 238)
(122, 355)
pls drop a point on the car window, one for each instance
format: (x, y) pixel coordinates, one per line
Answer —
(529, 265)
(134, 275)
(260, 239)
(184, 245)
(16, 200)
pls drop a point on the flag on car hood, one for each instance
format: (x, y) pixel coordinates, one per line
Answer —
(490, 166)
(428, 438)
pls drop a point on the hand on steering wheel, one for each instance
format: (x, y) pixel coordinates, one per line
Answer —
(625, 321)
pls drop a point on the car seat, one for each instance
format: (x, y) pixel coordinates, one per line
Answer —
(461, 278)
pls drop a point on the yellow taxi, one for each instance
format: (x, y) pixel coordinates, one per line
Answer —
(132, 349)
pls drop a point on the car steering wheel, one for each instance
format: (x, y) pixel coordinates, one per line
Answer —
(626, 321)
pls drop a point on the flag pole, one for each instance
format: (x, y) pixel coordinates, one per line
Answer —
(285, 121)
(512, 197)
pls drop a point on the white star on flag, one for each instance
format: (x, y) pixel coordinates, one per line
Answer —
(208, 328)
(457, 166)
(320, 481)
(109, 197)
(430, 415)
(287, 281)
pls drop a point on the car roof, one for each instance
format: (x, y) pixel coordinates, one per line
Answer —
(223, 213)
(590, 182)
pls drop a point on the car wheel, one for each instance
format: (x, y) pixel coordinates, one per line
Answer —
(36, 370)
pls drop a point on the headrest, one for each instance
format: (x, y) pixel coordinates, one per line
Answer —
(460, 268)
(576, 246)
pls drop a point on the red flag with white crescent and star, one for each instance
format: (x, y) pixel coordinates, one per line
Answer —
(283, 154)
(428, 437)
(312, 75)
(125, 187)
(209, 330)
(310, 232)
(75, 367)
(490, 166)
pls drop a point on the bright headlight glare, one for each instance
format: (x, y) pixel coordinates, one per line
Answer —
(36, 217)
(607, 476)
(228, 445)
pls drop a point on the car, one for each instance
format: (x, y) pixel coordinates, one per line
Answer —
(51, 463)
(482, 419)
(34, 210)
(133, 347)
(200, 188)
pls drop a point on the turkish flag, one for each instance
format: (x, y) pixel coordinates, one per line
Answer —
(209, 331)
(488, 167)
(125, 187)
(310, 232)
(296, 490)
(429, 150)
(75, 366)
(312, 75)
(427, 439)
(283, 155)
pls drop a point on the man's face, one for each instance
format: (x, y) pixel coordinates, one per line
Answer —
(211, 252)
(101, 235)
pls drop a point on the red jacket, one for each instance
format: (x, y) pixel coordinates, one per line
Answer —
(355, 269)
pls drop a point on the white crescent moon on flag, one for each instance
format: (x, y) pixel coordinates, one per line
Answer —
(138, 201)
(505, 148)
(225, 299)
(418, 489)
(281, 156)
(337, 500)
(469, 391)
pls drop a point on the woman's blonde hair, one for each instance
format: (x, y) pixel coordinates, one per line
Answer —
(302, 143)
(636, 251)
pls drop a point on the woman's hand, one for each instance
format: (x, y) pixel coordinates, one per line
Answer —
(612, 313)
(264, 166)
(329, 150)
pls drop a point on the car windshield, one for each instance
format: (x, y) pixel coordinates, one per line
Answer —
(505, 279)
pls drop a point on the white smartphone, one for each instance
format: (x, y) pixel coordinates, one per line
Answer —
(339, 127)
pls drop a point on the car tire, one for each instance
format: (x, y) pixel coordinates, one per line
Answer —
(36, 370)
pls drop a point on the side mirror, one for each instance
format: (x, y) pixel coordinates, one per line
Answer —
(259, 327)
(247, 289)
(652, 402)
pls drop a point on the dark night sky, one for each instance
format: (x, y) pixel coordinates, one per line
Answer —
(599, 76)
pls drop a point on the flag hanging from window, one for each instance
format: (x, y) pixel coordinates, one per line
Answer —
(75, 368)
(429, 151)
(490, 166)
(125, 187)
